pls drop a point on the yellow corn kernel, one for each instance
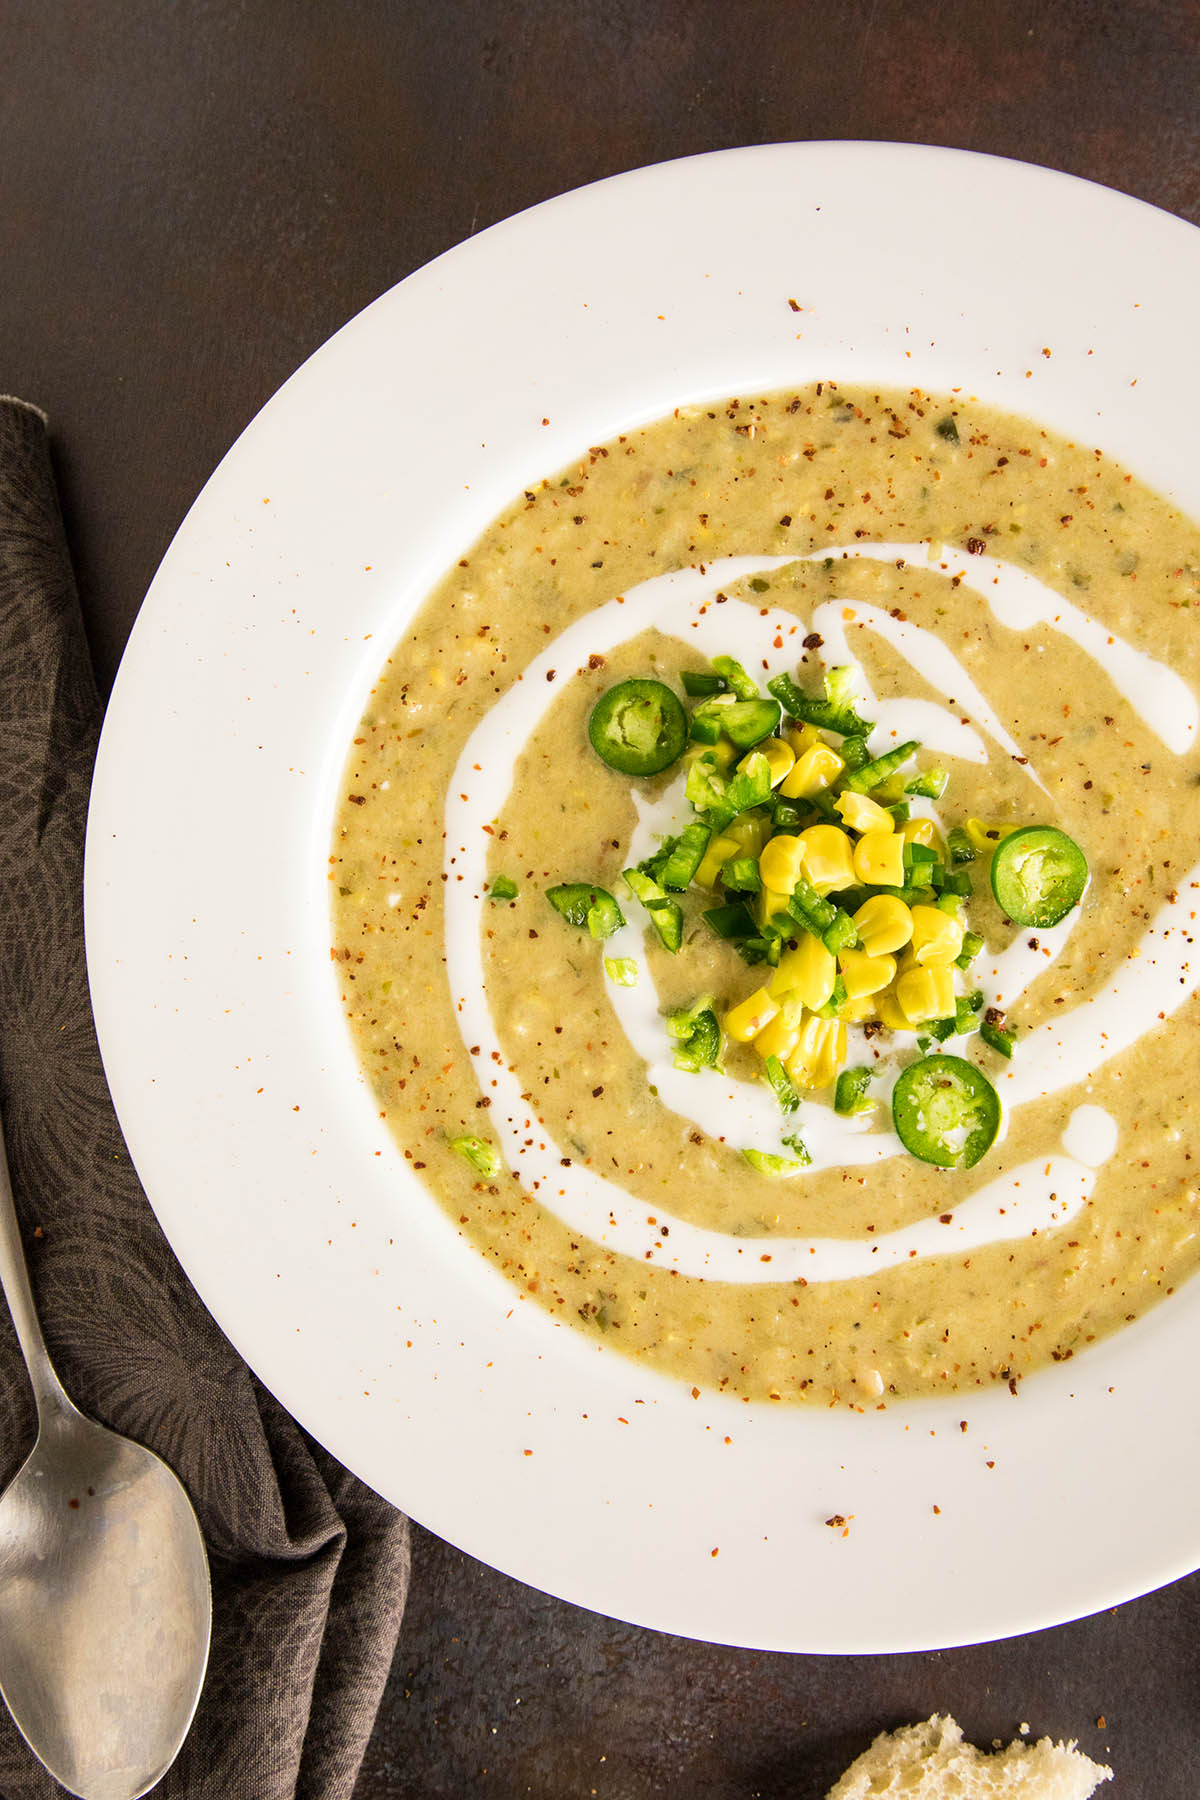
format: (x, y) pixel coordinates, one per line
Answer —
(780, 862)
(857, 1011)
(828, 857)
(780, 757)
(819, 1053)
(925, 994)
(747, 1019)
(884, 925)
(918, 831)
(723, 753)
(802, 737)
(861, 813)
(985, 834)
(863, 974)
(937, 936)
(778, 1038)
(808, 971)
(749, 832)
(719, 851)
(879, 859)
(890, 1011)
(815, 770)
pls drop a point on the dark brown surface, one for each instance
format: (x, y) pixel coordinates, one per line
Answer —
(192, 198)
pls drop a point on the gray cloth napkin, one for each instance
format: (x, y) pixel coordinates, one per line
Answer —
(310, 1568)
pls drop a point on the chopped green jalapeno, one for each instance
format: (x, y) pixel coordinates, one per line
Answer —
(840, 934)
(965, 1008)
(930, 784)
(826, 714)
(479, 1153)
(687, 853)
(730, 922)
(957, 883)
(920, 853)
(581, 904)
(697, 1035)
(705, 791)
(666, 915)
(741, 875)
(1038, 875)
(972, 944)
(835, 1001)
(766, 1164)
(503, 888)
(733, 674)
(751, 784)
(946, 1112)
(638, 727)
(748, 722)
(785, 815)
(698, 685)
(995, 1033)
(850, 1095)
(873, 774)
(781, 1084)
(962, 850)
(705, 724)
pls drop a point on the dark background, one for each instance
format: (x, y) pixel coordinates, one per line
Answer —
(192, 199)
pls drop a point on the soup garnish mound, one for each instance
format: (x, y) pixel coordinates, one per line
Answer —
(764, 891)
(828, 868)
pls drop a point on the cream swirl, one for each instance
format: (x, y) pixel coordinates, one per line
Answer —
(1032, 1198)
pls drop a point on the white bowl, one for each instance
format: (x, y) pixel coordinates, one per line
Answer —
(288, 1204)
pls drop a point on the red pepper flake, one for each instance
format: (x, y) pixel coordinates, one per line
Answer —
(975, 546)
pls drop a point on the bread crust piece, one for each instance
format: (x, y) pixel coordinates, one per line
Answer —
(931, 1762)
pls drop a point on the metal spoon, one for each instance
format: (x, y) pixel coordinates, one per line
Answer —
(105, 1600)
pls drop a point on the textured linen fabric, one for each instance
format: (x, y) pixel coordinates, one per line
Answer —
(310, 1568)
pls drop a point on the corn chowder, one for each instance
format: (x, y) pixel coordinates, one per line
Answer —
(764, 888)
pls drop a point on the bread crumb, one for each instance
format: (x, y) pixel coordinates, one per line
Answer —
(931, 1762)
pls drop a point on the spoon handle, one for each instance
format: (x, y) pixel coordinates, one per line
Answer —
(14, 1278)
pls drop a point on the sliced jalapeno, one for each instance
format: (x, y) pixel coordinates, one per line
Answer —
(946, 1112)
(638, 727)
(1038, 875)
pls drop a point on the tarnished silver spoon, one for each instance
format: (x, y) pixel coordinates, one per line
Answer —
(105, 1599)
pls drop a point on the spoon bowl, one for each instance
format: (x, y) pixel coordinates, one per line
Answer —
(105, 1598)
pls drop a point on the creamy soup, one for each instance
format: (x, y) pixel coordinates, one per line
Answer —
(1022, 606)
